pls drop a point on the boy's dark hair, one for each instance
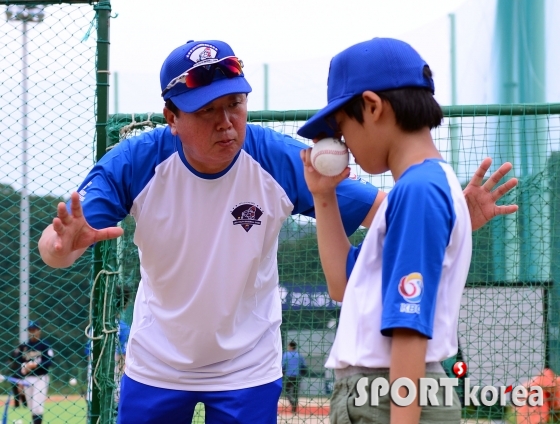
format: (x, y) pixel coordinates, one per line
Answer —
(414, 107)
(292, 344)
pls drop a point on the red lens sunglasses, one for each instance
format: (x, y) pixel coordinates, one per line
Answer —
(203, 74)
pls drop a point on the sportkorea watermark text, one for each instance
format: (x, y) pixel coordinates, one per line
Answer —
(425, 392)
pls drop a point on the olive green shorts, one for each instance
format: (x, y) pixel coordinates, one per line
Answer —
(344, 411)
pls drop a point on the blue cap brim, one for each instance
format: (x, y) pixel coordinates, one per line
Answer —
(194, 99)
(318, 123)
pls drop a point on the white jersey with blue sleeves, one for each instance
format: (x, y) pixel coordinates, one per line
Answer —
(207, 314)
(409, 272)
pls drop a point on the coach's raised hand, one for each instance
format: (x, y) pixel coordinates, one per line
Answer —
(481, 198)
(67, 238)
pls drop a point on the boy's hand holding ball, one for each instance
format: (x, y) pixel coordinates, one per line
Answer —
(329, 157)
(325, 166)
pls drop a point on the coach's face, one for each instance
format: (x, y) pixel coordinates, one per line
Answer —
(213, 135)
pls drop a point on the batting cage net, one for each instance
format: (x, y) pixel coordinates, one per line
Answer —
(508, 330)
(54, 126)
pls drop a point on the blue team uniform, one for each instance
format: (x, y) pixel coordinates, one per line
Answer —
(409, 272)
(207, 313)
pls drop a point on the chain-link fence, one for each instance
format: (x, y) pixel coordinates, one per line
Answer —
(48, 94)
(508, 328)
(53, 112)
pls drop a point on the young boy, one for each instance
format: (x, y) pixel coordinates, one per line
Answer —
(402, 297)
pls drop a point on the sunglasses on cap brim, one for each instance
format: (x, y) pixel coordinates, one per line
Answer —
(203, 73)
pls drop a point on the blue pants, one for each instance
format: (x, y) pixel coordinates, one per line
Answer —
(143, 404)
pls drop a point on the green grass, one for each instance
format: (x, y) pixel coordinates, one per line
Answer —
(198, 417)
(71, 412)
(63, 412)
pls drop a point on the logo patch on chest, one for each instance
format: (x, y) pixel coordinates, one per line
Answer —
(247, 214)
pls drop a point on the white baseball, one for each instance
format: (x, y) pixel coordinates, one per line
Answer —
(329, 157)
(73, 382)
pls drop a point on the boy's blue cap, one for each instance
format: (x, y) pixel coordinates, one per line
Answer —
(33, 324)
(375, 65)
(185, 57)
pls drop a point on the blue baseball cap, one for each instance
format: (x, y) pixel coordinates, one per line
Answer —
(375, 65)
(33, 324)
(184, 58)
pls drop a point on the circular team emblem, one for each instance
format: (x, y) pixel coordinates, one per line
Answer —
(411, 287)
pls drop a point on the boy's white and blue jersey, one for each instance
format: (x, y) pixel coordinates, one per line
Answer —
(207, 314)
(409, 272)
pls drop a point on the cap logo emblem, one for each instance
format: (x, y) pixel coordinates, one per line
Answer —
(203, 53)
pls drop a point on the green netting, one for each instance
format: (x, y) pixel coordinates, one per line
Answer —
(47, 144)
(53, 103)
(510, 294)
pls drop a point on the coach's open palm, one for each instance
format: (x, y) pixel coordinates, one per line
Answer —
(73, 232)
(480, 198)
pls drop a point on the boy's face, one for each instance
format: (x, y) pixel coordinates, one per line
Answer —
(365, 141)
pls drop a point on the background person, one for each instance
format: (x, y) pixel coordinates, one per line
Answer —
(209, 194)
(17, 389)
(35, 359)
(293, 368)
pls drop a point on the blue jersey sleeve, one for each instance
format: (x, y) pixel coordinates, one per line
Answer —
(124, 333)
(119, 176)
(352, 258)
(420, 218)
(279, 155)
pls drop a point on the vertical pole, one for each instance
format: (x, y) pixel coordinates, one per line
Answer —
(534, 228)
(505, 241)
(453, 124)
(521, 69)
(266, 86)
(116, 91)
(24, 206)
(546, 324)
(453, 59)
(103, 14)
(101, 399)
